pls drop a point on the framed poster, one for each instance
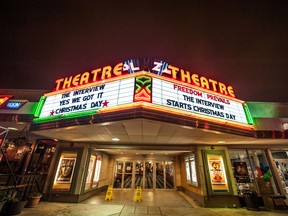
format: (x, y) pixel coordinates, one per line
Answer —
(65, 170)
(241, 172)
(217, 173)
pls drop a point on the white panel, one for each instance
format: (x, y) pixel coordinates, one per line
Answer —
(95, 97)
(191, 100)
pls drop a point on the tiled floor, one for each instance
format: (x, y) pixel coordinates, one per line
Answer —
(157, 203)
(149, 198)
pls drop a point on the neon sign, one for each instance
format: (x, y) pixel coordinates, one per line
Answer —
(176, 96)
(15, 104)
(159, 92)
(4, 99)
(159, 68)
(88, 99)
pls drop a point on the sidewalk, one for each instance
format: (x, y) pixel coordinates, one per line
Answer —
(153, 204)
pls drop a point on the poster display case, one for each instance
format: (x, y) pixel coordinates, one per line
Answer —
(65, 172)
(217, 173)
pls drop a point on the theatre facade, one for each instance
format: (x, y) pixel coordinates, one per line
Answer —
(147, 123)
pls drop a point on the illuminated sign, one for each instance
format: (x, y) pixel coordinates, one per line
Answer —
(91, 98)
(192, 100)
(4, 99)
(159, 68)
(15, 104)
(145, 87)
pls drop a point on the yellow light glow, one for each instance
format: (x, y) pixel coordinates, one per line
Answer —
(186, 114)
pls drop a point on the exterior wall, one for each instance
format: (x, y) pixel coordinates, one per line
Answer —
(201, 192)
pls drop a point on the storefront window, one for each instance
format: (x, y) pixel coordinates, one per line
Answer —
(42, 157)
(242, 170)
(262, 172)
(280, 159)
(191, 174)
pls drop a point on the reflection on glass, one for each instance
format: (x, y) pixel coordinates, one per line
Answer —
(262, 172)
(97, 171)
(90, 172)
(281, 161)
(188, 175)
(118, 174)
(191, 173)
(160, 175)
(169, 175)
(139, 174)
(128, 174)
(149, 175)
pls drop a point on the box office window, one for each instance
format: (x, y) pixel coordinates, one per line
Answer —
(190, 166)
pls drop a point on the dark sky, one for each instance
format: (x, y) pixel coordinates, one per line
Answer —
(241, 43)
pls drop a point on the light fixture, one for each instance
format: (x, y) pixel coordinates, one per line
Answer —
(115, 139)
(285, 126)
(12, 128)
(219, 142)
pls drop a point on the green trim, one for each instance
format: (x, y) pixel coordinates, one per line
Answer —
(66, 116)
(248, 114)
(40, 106)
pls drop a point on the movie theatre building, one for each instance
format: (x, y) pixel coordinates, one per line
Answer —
(147, 123)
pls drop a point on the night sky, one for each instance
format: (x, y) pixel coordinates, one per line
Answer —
(240, 43)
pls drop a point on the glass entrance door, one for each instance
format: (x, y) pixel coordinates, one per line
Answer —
(146, 174)
(149, 175)
(160, 175)
(139, 174)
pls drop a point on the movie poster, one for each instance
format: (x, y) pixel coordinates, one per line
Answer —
(217, 173)
(66, 169)
(241, 172)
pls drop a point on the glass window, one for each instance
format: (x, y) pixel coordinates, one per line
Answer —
(242, 170)
(262, 172)
(169, 175)
(97, 171)
(280, 159)
(118, 174)
(191, 174)
(90, 172)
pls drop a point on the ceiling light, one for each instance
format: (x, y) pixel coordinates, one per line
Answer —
(12, 128)
(151, 153)
(115, 139)
(219, 142)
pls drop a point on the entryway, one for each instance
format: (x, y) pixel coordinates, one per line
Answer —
(148, 174)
